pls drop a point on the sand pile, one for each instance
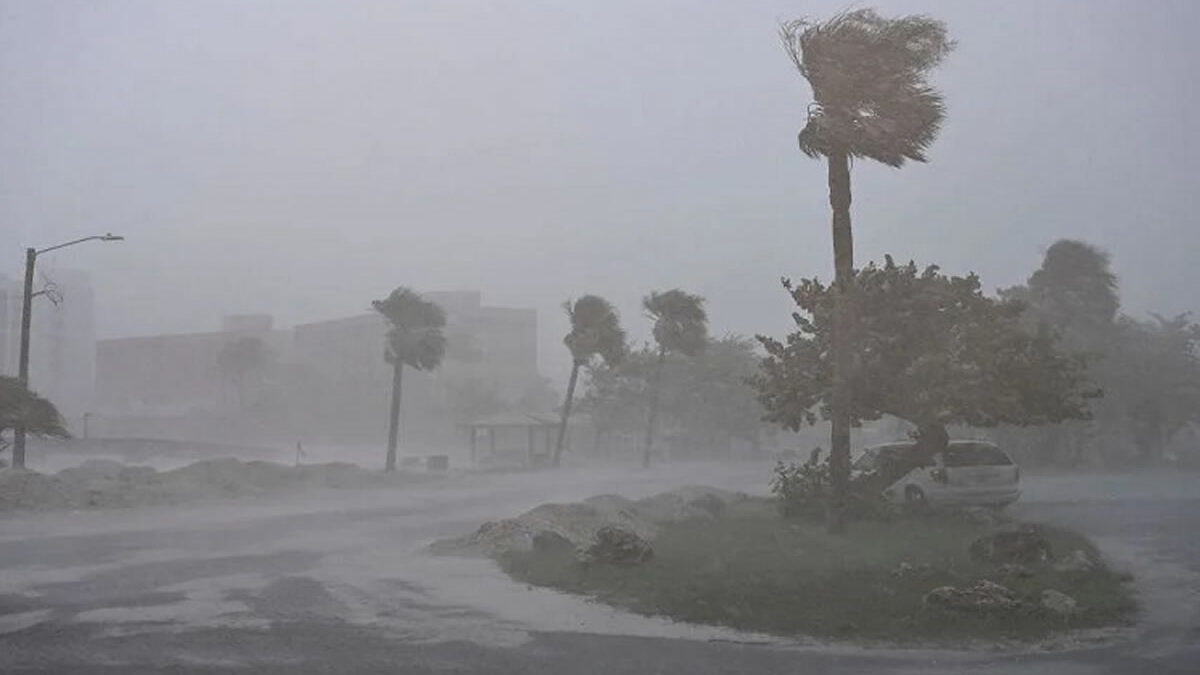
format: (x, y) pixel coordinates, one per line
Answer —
(105, 483)
(578, 522)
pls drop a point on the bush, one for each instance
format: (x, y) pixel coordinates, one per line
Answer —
(802, 489)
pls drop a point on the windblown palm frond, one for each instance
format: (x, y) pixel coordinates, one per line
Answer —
(595, 329)
(415, 337)
(680, 322)
(868, 79)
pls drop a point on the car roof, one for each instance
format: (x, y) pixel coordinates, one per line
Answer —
(909, 444)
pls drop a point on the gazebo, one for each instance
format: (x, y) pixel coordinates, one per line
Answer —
(538, 434)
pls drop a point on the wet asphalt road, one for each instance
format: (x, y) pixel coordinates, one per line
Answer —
(338, 583)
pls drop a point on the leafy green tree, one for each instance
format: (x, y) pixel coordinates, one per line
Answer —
(871, 100)
(711, 396)
(680, 327)
(934, 351)
(595, 331)
(1156, 374)
(616, 396)
(704, 399)
(20, 406)
(415, 339)
(1074, 293)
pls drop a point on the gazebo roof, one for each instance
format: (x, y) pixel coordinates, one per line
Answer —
(514, 420)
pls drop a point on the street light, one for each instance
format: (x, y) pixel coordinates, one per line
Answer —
(31, 255)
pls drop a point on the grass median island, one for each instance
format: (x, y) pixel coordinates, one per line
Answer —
(754, 570)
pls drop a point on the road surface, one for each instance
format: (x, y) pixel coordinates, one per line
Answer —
(338, 582)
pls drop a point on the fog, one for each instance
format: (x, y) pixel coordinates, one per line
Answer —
(303, 158)
(216, 498)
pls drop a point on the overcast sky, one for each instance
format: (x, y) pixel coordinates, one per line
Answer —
(302, 158)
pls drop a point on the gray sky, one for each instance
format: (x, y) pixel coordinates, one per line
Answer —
(303, 158)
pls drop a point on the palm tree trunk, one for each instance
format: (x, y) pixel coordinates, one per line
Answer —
(648, 445)
(394, 420)
(843, 348)
(562, 426)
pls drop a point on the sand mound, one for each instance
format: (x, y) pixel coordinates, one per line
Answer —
(105, 483)
(578, 521)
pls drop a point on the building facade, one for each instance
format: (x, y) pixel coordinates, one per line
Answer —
(325, 377)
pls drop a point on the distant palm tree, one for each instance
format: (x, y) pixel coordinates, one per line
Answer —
(871, 100)
(680, 326)
(20, 407)
(595, 331)
(415, 339)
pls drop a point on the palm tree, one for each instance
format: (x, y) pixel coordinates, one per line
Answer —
(871, 100)
(680, 326)
(20, 407)
(595, 331)
(414, 339)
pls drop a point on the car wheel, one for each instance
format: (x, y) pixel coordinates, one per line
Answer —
(914, 498)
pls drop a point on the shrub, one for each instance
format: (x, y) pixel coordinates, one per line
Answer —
(801, 488)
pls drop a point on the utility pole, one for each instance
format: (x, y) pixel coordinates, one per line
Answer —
(23, 364)
(31, 255)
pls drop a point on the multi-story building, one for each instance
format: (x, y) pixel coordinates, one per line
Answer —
(496, 345)
(179, 373)
(329, 376)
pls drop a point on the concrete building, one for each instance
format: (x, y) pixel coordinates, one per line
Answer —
(162, 375)
(326, 377)
(493, 344)
(62, 355)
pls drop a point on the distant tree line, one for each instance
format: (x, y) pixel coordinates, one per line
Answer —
(1148, 369)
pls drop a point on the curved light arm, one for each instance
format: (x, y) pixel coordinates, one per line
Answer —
(107, 236)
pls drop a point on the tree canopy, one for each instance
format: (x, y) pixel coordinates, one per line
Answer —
(704, 398)
(680, 322)
(1149, 369)
(1074, 293)
(19, 405)
(933, 350)
(415, 337)
(595, 330)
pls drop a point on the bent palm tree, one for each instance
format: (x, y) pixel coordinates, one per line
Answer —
(414, 339)
(680, 326)
(871, 100)
(595, 330)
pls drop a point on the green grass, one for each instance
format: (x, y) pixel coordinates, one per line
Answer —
(753, 570)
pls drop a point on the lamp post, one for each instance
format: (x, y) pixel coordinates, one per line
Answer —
(31, 255)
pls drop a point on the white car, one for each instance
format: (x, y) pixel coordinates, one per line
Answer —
(968, 473)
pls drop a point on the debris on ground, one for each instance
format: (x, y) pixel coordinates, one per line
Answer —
(1058, 602)
(1076, 561)
(579, 522)
(615, 545)
(1025, 545)
(1015, 570)
(981, 597)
